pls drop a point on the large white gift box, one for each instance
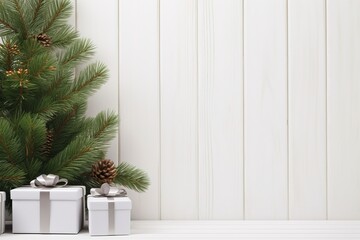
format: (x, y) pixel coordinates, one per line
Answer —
(109, 215)
(48, 210)
(2, 212)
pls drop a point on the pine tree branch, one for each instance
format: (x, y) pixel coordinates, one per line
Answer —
(66, 126)
(70, 162)
(51, 104)
(60, 10)
(43, 68)
(7, 25)
(10, 175)
(90, 79)
(60, 77)
(21, 18)
(67, 119)
(83, 152)
(3, 22)
(103, 128)
(49, 111)
(6, 150)
(9, 143)
(8, 61)
(132, 177)
(78, 51)
(86, 148)
(62, 37)
(33, 131)
(84, 85)
(11, 178)
(37, 9)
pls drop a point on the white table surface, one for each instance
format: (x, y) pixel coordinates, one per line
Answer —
(254, 230)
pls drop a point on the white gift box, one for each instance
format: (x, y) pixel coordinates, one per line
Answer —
(48, 210)
(2, 212)
(109, 215)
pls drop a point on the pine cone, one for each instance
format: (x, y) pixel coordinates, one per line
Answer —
(46, 149)
(104, 171)
(44, 39)
(13, 49)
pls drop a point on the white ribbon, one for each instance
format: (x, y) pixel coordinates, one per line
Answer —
(49, 180)
(107, 191)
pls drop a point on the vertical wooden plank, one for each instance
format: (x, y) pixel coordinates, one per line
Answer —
(99, 22)
(178, 79)
(307, 109)
(265, 66)
(343, 56)
(139, 98)
(220, 109)
(72, 18)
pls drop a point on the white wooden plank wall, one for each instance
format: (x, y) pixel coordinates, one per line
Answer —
(139, 98)
(220, 109)
(237, 109)
(265, 96)
(307, 109)
(179, 127)
(343, 54)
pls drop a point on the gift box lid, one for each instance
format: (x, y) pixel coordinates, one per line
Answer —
(101, 203)
(2, 196)
(63, 193)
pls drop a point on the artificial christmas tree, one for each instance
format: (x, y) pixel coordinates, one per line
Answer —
(43, 127)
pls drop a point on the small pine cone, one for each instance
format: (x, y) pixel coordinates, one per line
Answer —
(104, 171)
(13, 49)
(9, 73)
(44, 39)
(52, 68)
(46, 149)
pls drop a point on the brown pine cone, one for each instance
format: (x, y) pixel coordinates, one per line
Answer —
(104, 171)
(46, 148)
(13, 49)
(44, 39)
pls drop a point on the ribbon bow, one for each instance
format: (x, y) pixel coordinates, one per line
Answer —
(107, 191)
(49, 180)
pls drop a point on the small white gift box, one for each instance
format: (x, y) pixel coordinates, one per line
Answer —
(2, 212)
(109, 215)
(48, 210)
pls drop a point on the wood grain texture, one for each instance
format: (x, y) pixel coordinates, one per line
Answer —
(307, 109)
(343, 37)
(181, 104)
(139, 98)
(220, 109)
(72, 18)
(103, 32)
(179, 132)
(265, 84)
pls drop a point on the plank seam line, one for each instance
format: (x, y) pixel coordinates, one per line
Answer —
(243, 103)
(326, 113)
(197, 107)
(118, 82)
(160, 112)
(287, 110)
